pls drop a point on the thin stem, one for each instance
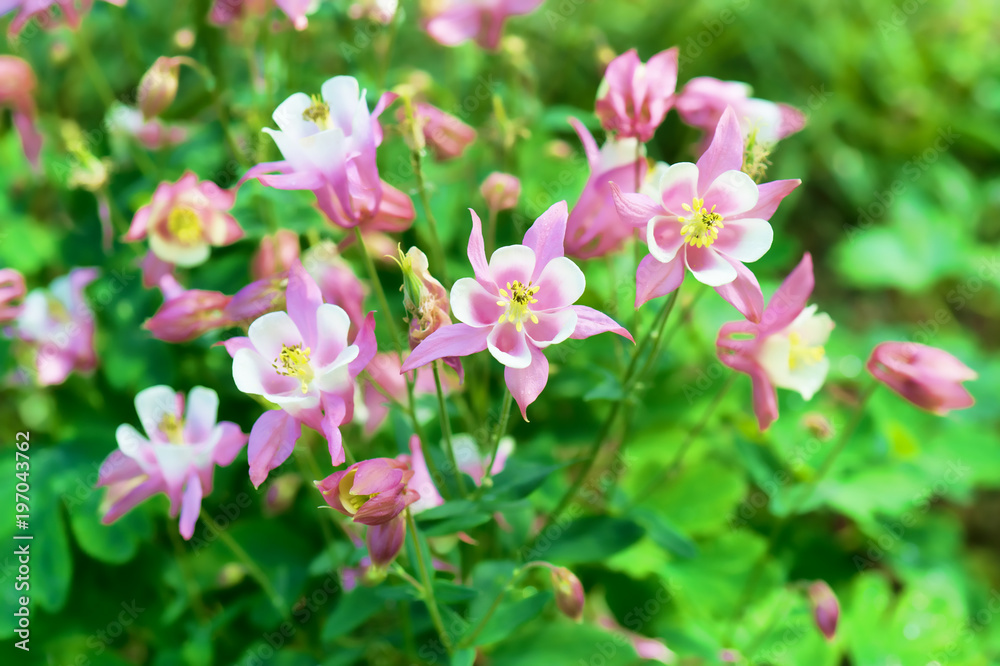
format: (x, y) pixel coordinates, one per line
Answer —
(436, 477)
(446, 430)
(255, 571)
(437, 250)
(97, 78)
(425, 578)
(383, 302)
(508, 400)
(471, 636)
(309, 467)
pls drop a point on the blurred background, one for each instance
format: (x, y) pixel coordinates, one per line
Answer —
(900, 208)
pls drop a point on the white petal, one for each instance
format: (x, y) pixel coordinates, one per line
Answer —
(152, 405)
(175, 253)
(270, 332)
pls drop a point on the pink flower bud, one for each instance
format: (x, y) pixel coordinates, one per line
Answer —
(17, 85)
(384, 542)
(371, 492)
(158, 86)
(424, 298)
(446, 135)
(826, 608)
(501, 191)
(189, 315)
(257, 299)
(277, 253)
(634, 97)
(12, 291)
(928, 377)
(569, 592)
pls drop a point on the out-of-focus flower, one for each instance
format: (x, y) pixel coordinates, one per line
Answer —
(29, 9)
(154, 134)
(281, 494)
(276, 254)
(12, 291)
(338, 283)
(825, 607)
(296, 11)
(634, 97)
(58, 327)
(594, 227)
(646, 648)
(300, 360)
(386, 384)
(177, 456)
(17, 87)
(451, 22)
(518, 304)
(189, 315)
(382, 11)
(329, 144)
(785, 349)
(446, 135)
(474, 462)
(501, 191)
(709, 217)
(158, 86)
(257, 299)
(185, 219)
(184, 39)
(928, 377)
(703, 101)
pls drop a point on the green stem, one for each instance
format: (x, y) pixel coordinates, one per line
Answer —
(97, 78)
(383, 302)
(426, 581)
(437, 250)
(255, 571)
(508, 400)
(446, 430)
(471, 636)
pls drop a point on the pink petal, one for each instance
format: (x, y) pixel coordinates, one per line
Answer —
(303, 298)
(202, 411)
(190, 506)
(744, 292)
(635, 209)
(272, 440)
(117, 467)
(591, 322)
(527, 383)
(233, 345)
(769, 196)
(367, 346)
(546, 235)
(552, 327)
(790, 299)
(230, 444)
(334, 411)
(454, 340)
(334, 323)
(654, 278)
(678, 186)
(708, 266)
(272, 332)
(725, 152)
(512, 262)
(139, 227)
(587, 139)
(477, 251)
(472, 304)
(746, 239)
(509, 346)
(731, 194)
(139, 494)
(664, 238)
(560, 284)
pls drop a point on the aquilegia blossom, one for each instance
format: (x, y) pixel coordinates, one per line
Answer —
(17, 87)
(177, 456)
(329, 144)
(928, 377)
(785, 349)
(300, 360)
(634, 97)
(443, 133)
(709, 217)
(518, 304)
(451, 22)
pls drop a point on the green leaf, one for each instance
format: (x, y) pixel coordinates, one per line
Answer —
(562, 642)
(352, 610)
(589, 539)
(520, 479)
(511, 615)
(664, 533)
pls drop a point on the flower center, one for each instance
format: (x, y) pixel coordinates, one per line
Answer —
(802, 355)
(701, 227)
(173, 428)
(185, 225)
(517, 298)
(351, 501)
(318, 113)
(294, 362)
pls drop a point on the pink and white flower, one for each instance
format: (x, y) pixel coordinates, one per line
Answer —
(785, 349)
(446, 135)
(154, 134)
(177, 456)
(594, 227)
(185, 219)
(452, 22)
(518, 304)
(708, 217)
(634, 97)
(928, 377)
(300, 360)
(329, 145)
(187, 314)
(17, 87)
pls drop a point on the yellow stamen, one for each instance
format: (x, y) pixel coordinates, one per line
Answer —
(318, 113)
(294, 362)
(184, 225)
(518, 298)
(173, 428)
(802, 355)
(701, 228)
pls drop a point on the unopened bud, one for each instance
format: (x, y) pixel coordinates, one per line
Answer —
(281, 494)
(501, 191)
(158, 86)
(230, 574)
(569, 592)
(826, 608)
(424, 298)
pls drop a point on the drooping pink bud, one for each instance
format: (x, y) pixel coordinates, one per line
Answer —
(276, 254)
(447, 136)
(17, 86)
(501, 191)
(370, 492)
(12, 291)
(158, 86)
(569, 592)
(189, 315)
(384, 542)
(826, 608)
(928, 377)
(634, 97)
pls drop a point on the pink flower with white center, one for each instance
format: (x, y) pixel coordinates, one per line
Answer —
(17, 85)
(185, 219)
(703, 101)
(785, 349)
(301, 361)
(594, 227)
(177, 456)
(634, 97)
(329, 145)
(12, 291)
(928, 377)
(452, 22)
(58, 327)
(518, 304)
(709, 217)
(28, 9)
(447, 136)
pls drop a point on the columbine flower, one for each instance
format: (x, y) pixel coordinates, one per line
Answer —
(58, 327)
(187, 314)
(518, 304)
(338, 283)
(17, 85)
(928, 377)
(634, 97)
(785, 349)
(710, 217)
(470, 461)
(185, 219)
(12, 291)
(447, 136)
(501, 191)
(32, 8)
(825, 607)
(329, 143)
(594, 227)
(451, 22)
(703, 101)
(177, 457)
(300, 360)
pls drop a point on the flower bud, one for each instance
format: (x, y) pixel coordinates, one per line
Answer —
(826, 608)
(371, 492)
(189, 315)
(501, 191)
(158, 86)
(280, 494)
(12, 291)
(446, 135)
(928, 377)
(424, 298)
(276, 254)
(384, 543)
(257, 299)
(568, 590)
